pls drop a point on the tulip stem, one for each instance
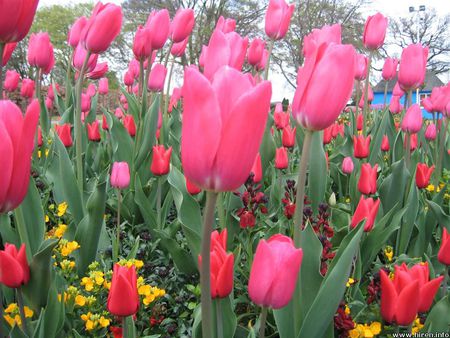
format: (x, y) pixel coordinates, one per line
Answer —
(408, 151)
(116, 249)
(445, 282)
(2, 47)
(219, 318)
(158, 202)
(78, 134)
(21, 310)
(205, 269)
(385, 94)
(221, 211)
(356, 111)
(141, 79)
(266, 71)
(366, 94)
(443, 134)
(2, 335)
(166, 60)
(262, 322)
(124, 327)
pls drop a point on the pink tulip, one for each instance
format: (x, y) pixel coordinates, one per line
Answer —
(7, 52)
(27, 88)
(91, 90)
(228, 112)
(430, 132)
(444, 250)
(79, 55)
(394, 106)
(281, 158)
(263, 62)
(397, 91)
(288, 137)
(389, 69)
(192, 188)
(159, 24)
(11, 80)
(157, 78)
(49, 103)
(385, 144)
(370, 97)
(347, 165)
(102, 27)
(179, 48)
(17, 143)
(119, 113)
(174, 98)
(367, 183)
(99, 71)
(40, 50)
(255, 51)
(182, 24)
(128, 79)
(375, 31)
(361, 67)
(274, 272)
(327, 74)
(120, 175)
(76, 30)
(142, 47)
(427, 103)
(85, 102)
(412, 67)
(280, 118)
(278, 18)
(134, 68)
(14, 268)
(225, 25)
(103, 86)
(412, 121)
(325, 35)
(16, 17)
(367, 209)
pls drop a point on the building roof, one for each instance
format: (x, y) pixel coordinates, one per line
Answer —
(431, 81)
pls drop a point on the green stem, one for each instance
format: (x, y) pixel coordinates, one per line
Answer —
(2, 47)
(141, 81)
(385, 95)
(22, 311)
(356, 112)
(408, 151)
(166, 59)
(165, 105)
(158, 202)
(78, 132)
(266, 71)
(68, 92)
(205, 278)
(37, 84)
(219, 319)
(221, 211)
(445, 282)
(116, 249)
(124, 328)
(443, 134)
(366, 94)
(262, 322)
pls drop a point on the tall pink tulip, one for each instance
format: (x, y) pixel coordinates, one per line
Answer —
(412, 69)
(255, 51)
(16, 146)
(278, 18)
(182, 24)
(16, 17)
(274, 272)
(430, 132)
(412, 121)
(76, 30)
(394, 106)
(79, 55)
(120, 175)
(159, 24)
(11, 80)
(40, 50)
(225, 25)
(326, 75)
(375, 31)
(27, 88)
(103, 86)
(230, 114)
(142, 47)
(157, 78)
(389, 69)
(325, 35)
(361, 67)
(347, 165)
(102, 27)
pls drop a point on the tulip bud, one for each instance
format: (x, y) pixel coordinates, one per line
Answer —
(130, 126)
(64, 134)
(91, 90)
(255, 51)
(361, 146)
(179, 48)
(191, 187)
(274, 272)
(375, 31)
(99, 71)
(367, 183)
(27, 88)
(385, 144)
(120, 175)
(159, 24)
(444, 250)
(281, 158)
(79, 55)
(104, 123)
(423, 174)
(412, 121)
(182, 24)
(76, 30)
(412, 67)
(278, 18)
(16, 18)
(430, 132)
(93, 130)
(288, 137)
(103, 87)
(11, 80)
(361, 67)
(85, 102)
(40, 50)
(280, 119)
(14, 269)
(332, 200)
(160, 160)
(123, 297)
(142, 47)
(394, 106)
(366, 209)
(157, 78)
(389, 69)
(427, 103)
(225, 25)
(347, 165)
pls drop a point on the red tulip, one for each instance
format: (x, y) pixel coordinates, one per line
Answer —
(99, 71)
(359, 121)
(11, 80)
(230, 114)
(361, 146)
(17, 141)
(399, 303)
(281, 158)
(394, 106)
(120, 175)
(412, 141)
(412, 121)
(16, 17)
(174, 98)
(375, 31)
(325, 35)
(76, 30)
(221, 266)
(7, 52)
(49, 103)
(27, 88)
(102, 27)
(182, 24)
(361, 67)
(389, 69)
(444, 250)
(280, 118)
(274, 272)
(327, 135)
(257, 169)
(316, 81)
(130, 126)
(179, 48)
(412, 67)
(367, 209)
(64, 134)
(104, 123)
(157, 78)
(159, 24)
(225, 25)
(40, 51)
(255, 51)
(79, 55)
(430, 132)
(347, 165)
(93, 130)
(423, 174)
(288, 137)
(103, 87)
(192, 188)
(142, 47)
(123, 298)
(385, 144)
(85, 102)
(278, 18)
(160, 160)
(367, 183)
(14, 269)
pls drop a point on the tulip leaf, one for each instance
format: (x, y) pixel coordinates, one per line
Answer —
(52, 317)
(44, 120)
(375, 143)
(89, 229)
(412, 208)
(392, 190)
(133, 106)
(267, 147)
(317, 180)
(229, 320)
(121, 141)
(332, 288)
(438, 319)
(62, 175)
(129, 327)
(441, 217)
(40, 275)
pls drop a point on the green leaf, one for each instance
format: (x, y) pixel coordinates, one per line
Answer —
(121, 141)
(440, 215)
(412, 208)
(392, 190)
(438, 319)
(375, 144)
(317, 180)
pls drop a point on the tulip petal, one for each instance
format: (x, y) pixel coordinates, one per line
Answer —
(6, 154)
(388, 298)
(11, 273)
(427, 293)
(218, 54)
(407, 304)
(225, 277)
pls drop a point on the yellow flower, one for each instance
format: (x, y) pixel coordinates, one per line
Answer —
(389, 253)
(98, 277)
(366, 331)
(39, 154)
(10, 320)
(430, 188)
(60, 230)
(350, 282)
(88, 283)
(28, 312)
(144, 290)
(11, 308)
(80, 300)
(62, 207)
(347, 200)
(47, 219)
(69, 247)
(417, 326)
(104, 322)
(47, 151)
(67, 265)
(347, 310)
(375, 327)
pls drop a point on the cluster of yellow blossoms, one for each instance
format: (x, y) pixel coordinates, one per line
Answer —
(94, 321)
(365, 330)
(12, 314)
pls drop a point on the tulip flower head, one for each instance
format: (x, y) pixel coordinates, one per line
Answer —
(123, 298)
(281, 158)
(412, 121)
(257, 169)
(412, 69)
(255, 51)
(367, 209)
(120, 175)
(367, 183)
(389, 69)
(157, 78)
(361, 146)
(444, 250)
(64, 134)
(75, 31)
(160, 160)
(347, 165)
(12, 79)
(430, 132)
(93, 130)
(385, 144)
(14, 269)
(423, 174)
(278, 18)
(16, 18)
(130, 126)
(158, 23)
(288, 136)
(182, 24)
(191, 187)
(375, 31)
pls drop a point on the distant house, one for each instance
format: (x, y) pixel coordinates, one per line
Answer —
(431, 81)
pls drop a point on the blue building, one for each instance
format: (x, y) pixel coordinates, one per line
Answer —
(431, 81)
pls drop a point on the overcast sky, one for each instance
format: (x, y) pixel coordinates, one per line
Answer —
(393, 8)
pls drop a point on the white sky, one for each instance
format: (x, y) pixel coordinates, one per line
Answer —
(392, 8)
